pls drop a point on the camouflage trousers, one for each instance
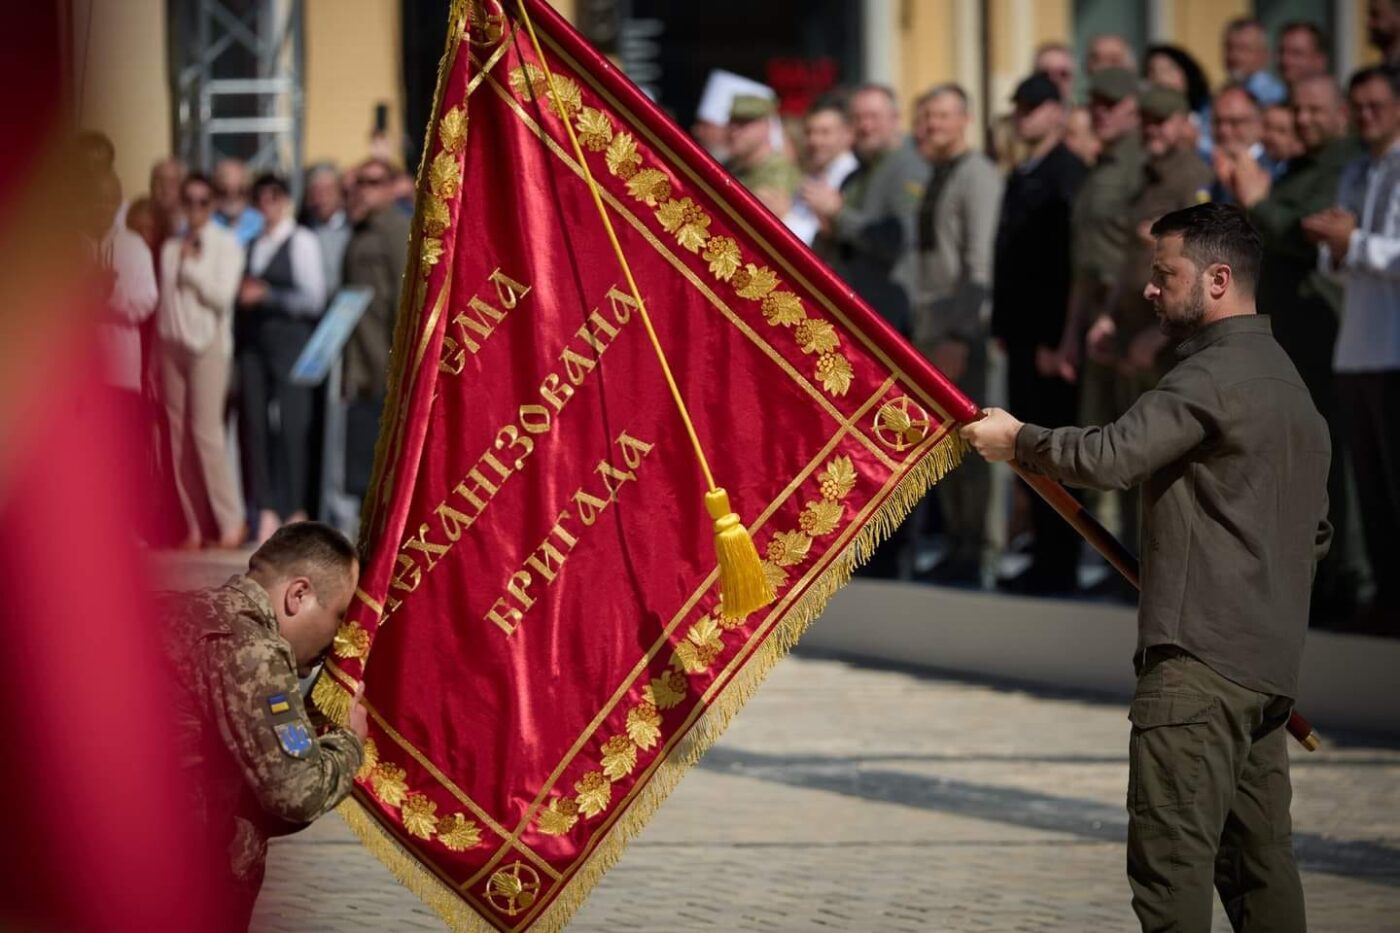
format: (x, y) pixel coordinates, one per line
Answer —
(1208, 799)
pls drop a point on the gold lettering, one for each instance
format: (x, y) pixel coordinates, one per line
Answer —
(420, 542)
(621, 304)
(490, 460)
(534, 418)
(508, 290)
(453, 359)
(543, 567)
(518, 587)
(407, 575)
(558, 531)
(590, 337)
(556, 391)
(504, 616)
(607, 471)
(633, 450)
(510, 436)
(576, 366)
(453, 521)
(469, 493)
(588, 507)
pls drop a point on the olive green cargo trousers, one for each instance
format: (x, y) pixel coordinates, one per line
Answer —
(1208, 798)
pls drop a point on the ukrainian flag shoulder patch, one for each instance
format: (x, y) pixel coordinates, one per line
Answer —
(277, 704)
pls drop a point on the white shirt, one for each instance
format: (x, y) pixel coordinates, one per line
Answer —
(800, 219)
(307, 296)
(133, 300)
(197, 293)
(1369, 339)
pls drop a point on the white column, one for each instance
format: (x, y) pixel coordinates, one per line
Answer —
(880, 40)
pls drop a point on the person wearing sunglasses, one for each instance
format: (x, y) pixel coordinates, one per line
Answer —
(200, 271)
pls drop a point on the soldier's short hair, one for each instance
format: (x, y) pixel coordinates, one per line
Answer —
(1215, 232)
(306, 549)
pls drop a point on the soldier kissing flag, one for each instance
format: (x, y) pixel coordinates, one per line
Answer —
(540, 628)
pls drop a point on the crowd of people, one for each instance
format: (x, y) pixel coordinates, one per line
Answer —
(1027, 258)
(216, 282)
(1036, 251)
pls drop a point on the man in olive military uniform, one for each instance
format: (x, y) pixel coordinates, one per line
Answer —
(252, 752)
(1232, 458)
(763, 169)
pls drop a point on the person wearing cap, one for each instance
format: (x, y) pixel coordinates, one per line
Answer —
(764, 170)
(710, 128)
(1030, 297)
(1099, 232)
(956, 238)
(1173, 177)
(1306, 302)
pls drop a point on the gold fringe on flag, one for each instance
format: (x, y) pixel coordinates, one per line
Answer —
(448, 904)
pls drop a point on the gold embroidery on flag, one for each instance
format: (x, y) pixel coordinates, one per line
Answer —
(351, 641)
(594, 793)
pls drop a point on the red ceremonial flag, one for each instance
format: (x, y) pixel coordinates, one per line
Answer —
(538, 626)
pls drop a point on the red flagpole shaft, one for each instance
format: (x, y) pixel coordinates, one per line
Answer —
(1124, 561)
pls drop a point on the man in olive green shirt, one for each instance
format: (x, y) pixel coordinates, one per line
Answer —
(1232, 458)
(764, 170)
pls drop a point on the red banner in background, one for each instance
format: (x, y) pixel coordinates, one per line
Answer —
(537, 626)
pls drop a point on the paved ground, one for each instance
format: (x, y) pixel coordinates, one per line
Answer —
(851, 798)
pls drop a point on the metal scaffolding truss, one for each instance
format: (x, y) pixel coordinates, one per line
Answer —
(237, 75)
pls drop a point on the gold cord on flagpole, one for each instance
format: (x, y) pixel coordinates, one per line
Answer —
(744, 588)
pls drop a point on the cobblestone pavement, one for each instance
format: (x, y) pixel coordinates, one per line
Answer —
(848, 797)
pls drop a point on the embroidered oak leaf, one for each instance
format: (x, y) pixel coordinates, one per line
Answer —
(776, 576)
(370, 762)
(643, 725)
(594, 129)
(722, 253)
(458, 833)
(419, 815)
(527, 81)
(788, 548)
(351, 641)
(619, 757)
(452, 129)
(594, 793)
(388, 781)
(650, 186)
(782, 309)
(445, 175)
(436, 216)
(701, 646)
(820, 517)
(432, 254)
(835, 373)
(687, 221)
(754, 282)
(838, 478)
(559, 817)
(816, 336)
(622, 158)
(665, 691)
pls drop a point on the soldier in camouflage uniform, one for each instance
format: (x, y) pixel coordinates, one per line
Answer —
(755, 161)
(258, 765)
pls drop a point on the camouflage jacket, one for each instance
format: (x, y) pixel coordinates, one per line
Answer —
(245, 738)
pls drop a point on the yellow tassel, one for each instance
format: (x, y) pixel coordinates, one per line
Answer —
(743, 587)
(331, 698)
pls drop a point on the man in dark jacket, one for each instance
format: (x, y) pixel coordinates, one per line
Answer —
(1306, 303)
(1232, 458)
(375, 258)
(1030, 295)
